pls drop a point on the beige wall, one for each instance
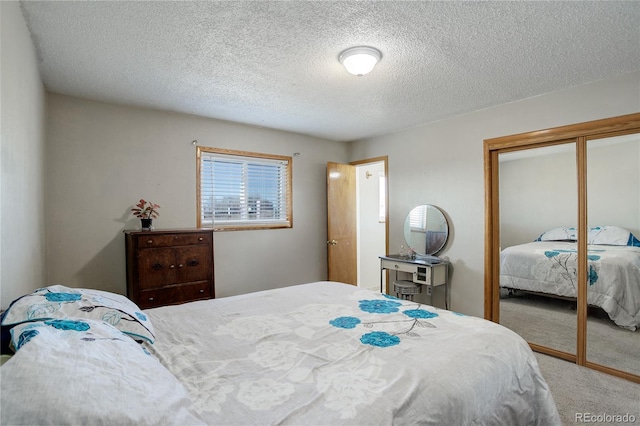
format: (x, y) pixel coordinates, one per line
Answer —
(103, 158)
(538, 194)
(613, 179)
(22, 245)
(442, 164)
(541, 193)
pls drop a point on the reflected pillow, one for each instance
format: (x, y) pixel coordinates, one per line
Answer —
(84, 371)
(613, 236)
(603, 235)
(60, 302)
(559, 234)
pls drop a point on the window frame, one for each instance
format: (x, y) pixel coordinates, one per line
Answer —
(245, 225)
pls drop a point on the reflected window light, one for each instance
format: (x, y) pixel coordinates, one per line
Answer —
(382, 195)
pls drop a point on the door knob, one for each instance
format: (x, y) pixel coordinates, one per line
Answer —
(332, 242)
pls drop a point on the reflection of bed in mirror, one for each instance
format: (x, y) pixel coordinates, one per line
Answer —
(548, 266)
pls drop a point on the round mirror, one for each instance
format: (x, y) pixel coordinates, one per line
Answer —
(426, 230)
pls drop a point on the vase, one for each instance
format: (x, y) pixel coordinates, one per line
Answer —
(146, 224)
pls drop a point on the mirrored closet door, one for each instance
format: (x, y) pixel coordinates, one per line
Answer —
(562, 211)
(538, 195)
(613, 282)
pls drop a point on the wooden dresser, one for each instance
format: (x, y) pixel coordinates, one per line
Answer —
(168, 267)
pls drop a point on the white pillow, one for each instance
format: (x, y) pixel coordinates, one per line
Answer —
(60, 302)
(605, 235)
(559, 234)
(609, 235)
(87, 372)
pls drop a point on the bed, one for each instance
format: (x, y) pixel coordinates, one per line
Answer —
(548, 266)
(318, 353)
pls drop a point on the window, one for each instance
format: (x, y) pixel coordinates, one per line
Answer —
(243, 190)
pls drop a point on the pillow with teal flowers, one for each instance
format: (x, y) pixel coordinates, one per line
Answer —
(72, 331)
(87, 372)
(60, 302)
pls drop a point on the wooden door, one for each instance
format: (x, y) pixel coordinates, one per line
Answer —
(341, 223)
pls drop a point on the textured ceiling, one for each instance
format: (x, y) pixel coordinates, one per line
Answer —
(275, 64)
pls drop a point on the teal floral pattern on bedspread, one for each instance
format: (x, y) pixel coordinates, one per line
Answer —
(404, 325)
(551, 267)
(366, 329)
(379, 306)
(345, 322)
(566, 261)
(380, 338)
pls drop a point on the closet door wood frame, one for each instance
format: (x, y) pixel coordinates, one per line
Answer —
(577, 134)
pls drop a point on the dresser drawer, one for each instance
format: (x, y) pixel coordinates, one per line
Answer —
(159, 267)
(168, 240)
(173, 295)
(398, 266)
(429, 274)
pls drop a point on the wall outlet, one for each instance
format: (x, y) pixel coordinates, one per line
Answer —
(428, 290)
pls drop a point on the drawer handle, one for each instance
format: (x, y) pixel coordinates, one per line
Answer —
(180, 265)
(192, 262)
(200, 239)
(157, 266)
(149, 241)
(201, 291)
(151, 299)
(396, 266)
(172, 266)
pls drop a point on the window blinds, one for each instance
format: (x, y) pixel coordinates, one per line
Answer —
(240, 190)
(418, 219)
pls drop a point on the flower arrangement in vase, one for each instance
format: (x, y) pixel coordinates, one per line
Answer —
(146, 211)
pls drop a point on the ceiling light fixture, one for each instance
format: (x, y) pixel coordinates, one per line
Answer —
(360, 60)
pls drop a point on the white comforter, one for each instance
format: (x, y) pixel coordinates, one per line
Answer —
(550, 267)
(329, 353)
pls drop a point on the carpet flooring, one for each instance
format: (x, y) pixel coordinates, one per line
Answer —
(586, 396)
(553, 323)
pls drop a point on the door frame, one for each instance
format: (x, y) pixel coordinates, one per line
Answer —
(385, 160)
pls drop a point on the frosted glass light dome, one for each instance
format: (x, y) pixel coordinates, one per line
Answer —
(360, 60)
